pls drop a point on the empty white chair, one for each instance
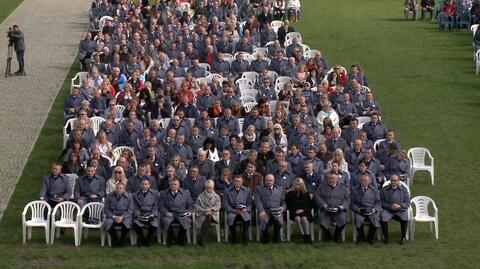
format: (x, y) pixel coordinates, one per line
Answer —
(251, 75)
(247, 99)
(69, 126)
(249, 92)
(421, 214)
(248, 106)
(95, 211)
(96, 121)
(68, 214)
(78, 77)
(72, 179)
(244, 83)
(309, 54)
(276, 25)
(417, 158)
(37, 219)
(262, 50)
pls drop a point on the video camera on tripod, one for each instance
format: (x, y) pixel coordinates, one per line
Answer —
(9, 52)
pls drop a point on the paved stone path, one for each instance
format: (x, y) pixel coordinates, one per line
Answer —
(52, 31)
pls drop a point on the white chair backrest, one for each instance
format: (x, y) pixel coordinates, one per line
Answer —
(212, 76)
(262, 50)
(94, 209)
(96, 121)
(247, 99)
(68, 211)
(251, 76)
(305, 48)
(120, 108)
(276, 25)
(477, 56)
(376, 145)
(117, 152)
(248, 106)
(244, 83)
(421, 205)
(69, 126)
(72, 179)
(109, 160)
(38, 210)
(240, 122)
(273, 75)
(249, 92)
(79, 76)
(363, 119)
(417, 156)
(283, 79)
(205, 66)
(386, 183)
(164, 122)
(474, 28)
(103, 21)
(269, 43)
(310, 53)
(200, 81)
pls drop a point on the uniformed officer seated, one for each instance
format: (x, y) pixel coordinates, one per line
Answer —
(146, 211)
(176, 206)
(237, 202)
(118, 213)
(270, 204)
(55, 187)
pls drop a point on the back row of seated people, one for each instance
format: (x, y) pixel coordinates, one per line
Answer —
(140, 201)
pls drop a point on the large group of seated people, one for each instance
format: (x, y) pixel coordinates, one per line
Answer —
(195, 148)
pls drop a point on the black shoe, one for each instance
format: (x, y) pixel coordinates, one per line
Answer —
(385, 241)
(403, 241)
(20, 73)
(200, 243)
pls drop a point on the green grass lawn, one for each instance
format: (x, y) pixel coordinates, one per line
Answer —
(430, 95)
(7, 6)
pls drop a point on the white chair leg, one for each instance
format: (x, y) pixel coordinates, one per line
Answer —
(354, 233)
(219, 237)
(29, 229)
(86, 233)
(431, 227)
(52, 234)
(433, 178)
(102, 237)
(159, 235)
(189, 239)
(80, 232)
(436, 229)
(47, 235)
(412, 229)
(312, 231)
(24, 233)
(289, 230)
(57, 232)
(75, 236)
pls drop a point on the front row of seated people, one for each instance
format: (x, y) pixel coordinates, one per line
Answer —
(174, 206)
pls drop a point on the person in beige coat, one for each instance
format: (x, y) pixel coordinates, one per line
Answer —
(207, 207)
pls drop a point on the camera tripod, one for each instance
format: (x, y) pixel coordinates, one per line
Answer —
(9, 61)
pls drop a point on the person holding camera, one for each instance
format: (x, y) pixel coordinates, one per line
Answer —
(18, 40)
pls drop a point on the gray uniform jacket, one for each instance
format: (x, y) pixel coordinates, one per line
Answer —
(195, 187)
(267, 199)
(146, 204)
(389, 196)
(55, 187)
(205, 168)
(332, 197)
(179, 203)
(232, 198)
(203, 202)
(118, 206)
(368, 199)
(84, 188)
(375, 131)
(19, 40)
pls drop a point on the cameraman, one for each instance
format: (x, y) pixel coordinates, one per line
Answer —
(18, 41)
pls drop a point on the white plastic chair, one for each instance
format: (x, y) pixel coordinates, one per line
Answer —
(117, 152)
(212, 76)
(273, 75)
(283, 79)
(96, 121)
(344, 70)
(247, 99)
(72, 179)
(289, 228)
(421, 214)
(262, 50)
(216, 226)
(164, 122)
(79, 76)
(69, 126)
(109, 160)
(474, 28)
(251, 75)
(103, 20)
(417, 158)
(244, 83)
(68, 214)
(200, 81)
(477, 62)
(248, 106)
(37, 219)
(205, 66)
(363, 119)
(376, 145)
(305, 48)
(290, 36)
(95, 210)
(276, 25)
(228, 58)
(249, 92)
(310, 54)
(120, 108)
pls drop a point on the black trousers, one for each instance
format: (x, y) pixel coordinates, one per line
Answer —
(403, 226)
(20, 59)
(142, 240)
(276, 231)
(205, 226)
(246, 228)
(173, 239)
(113, 234)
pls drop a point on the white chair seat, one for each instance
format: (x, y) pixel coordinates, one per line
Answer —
(36, 223)
(65, 224)
(424, 219)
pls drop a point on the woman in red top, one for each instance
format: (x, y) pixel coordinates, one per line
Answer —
(450, 8)
(184, 91)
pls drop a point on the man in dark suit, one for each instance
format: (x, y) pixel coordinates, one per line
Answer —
(89, 188)
(146, 202)
(55, 187)
(336, 142)
(375, 128)
(332, 199)
(225, 162)
(194, 182)
(395, 203)
(118, 213)
(365, 205)
(237, 202)
(176, 206)
(271, 206)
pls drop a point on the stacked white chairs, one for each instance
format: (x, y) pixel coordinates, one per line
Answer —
(94, 210)
(247, 99)
(68, 213)
(418, 157)
(244, 83)
(249, 92)
(421, 214)
(40, 217)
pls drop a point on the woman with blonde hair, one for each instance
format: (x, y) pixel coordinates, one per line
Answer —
(207, 207)
(277, 138)
(338, 157)
(118, 176)
(299, 205)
